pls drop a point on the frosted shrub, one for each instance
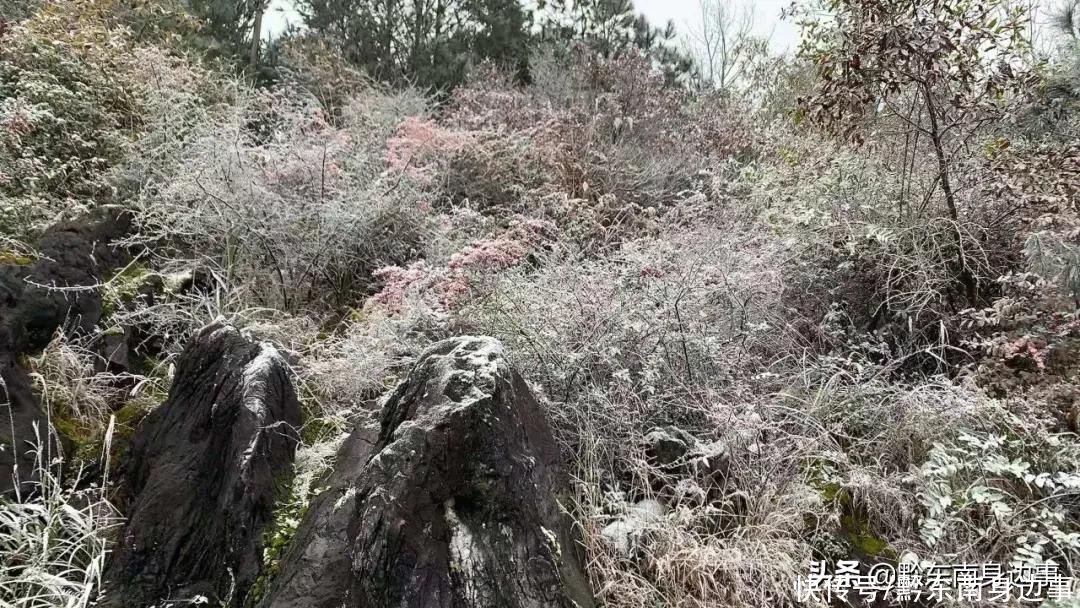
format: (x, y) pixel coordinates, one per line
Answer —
(876, 264)
(660, 327)
(291, 206)
(599, 146)
(468, 272)
(69, 106)
(1002, 495)
(351, 370)
(486, 170)
(417, 143)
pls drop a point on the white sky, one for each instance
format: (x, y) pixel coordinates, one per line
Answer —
(685, 13)
(687, 17)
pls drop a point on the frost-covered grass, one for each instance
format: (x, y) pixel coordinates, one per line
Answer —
(54, 540)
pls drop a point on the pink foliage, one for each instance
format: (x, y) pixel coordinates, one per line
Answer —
(397, 282)
(449, 286)
(314, 162)
(651, 271)
(1027, 347)
(495, 254)
(17, 125)
(506, 250)
(306, 153)
(453, 290)
(416, 141)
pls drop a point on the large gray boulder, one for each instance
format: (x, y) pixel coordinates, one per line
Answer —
(201, 476)
(453, 501)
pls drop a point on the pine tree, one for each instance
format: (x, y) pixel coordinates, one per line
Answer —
(226, 25)
(430, 43)
(610, 27)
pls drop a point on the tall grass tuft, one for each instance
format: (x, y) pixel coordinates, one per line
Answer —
(54, 538)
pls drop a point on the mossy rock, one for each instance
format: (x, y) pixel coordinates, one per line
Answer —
(863, 540)
(319, 428)
(82, 440)
(855, 533)
(128, 284)
(129, 416)
(86, 442)
(288, 514)
(14, 258)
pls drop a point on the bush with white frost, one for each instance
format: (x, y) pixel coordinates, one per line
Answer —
(289, 204)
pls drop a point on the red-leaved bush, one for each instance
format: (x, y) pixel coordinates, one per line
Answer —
(445, 286)
(418, 143)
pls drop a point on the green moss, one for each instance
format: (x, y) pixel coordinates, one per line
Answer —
(129, 416)
(357, 315)
(84, 440)
(115, 330)
(855, 530)
(290, 510)
(320, 428)
(314, 430)
(123, 287)
(14, 258)
(788, 155)
(833, 492)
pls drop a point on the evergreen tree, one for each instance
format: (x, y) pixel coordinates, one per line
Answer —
(226, 25)
(431, 43)
(610, 27)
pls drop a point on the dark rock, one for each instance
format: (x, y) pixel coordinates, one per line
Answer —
(74, 255)
(688, 470)
(114, 351)
(23, 430)
(453, 501)
(201, 475)
(667, 447)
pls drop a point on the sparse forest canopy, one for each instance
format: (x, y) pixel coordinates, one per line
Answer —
(433, 43)
(743, 311)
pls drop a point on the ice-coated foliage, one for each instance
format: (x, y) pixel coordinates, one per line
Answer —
(292, 204)
(859, 361)
(69, 106)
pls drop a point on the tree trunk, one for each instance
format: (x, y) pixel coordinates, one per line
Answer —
(967, 278)
(256, 36)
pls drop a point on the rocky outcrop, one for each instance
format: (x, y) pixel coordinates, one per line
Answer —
(624, 535)
(55, 291)
(201, 475)
(451, 501)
